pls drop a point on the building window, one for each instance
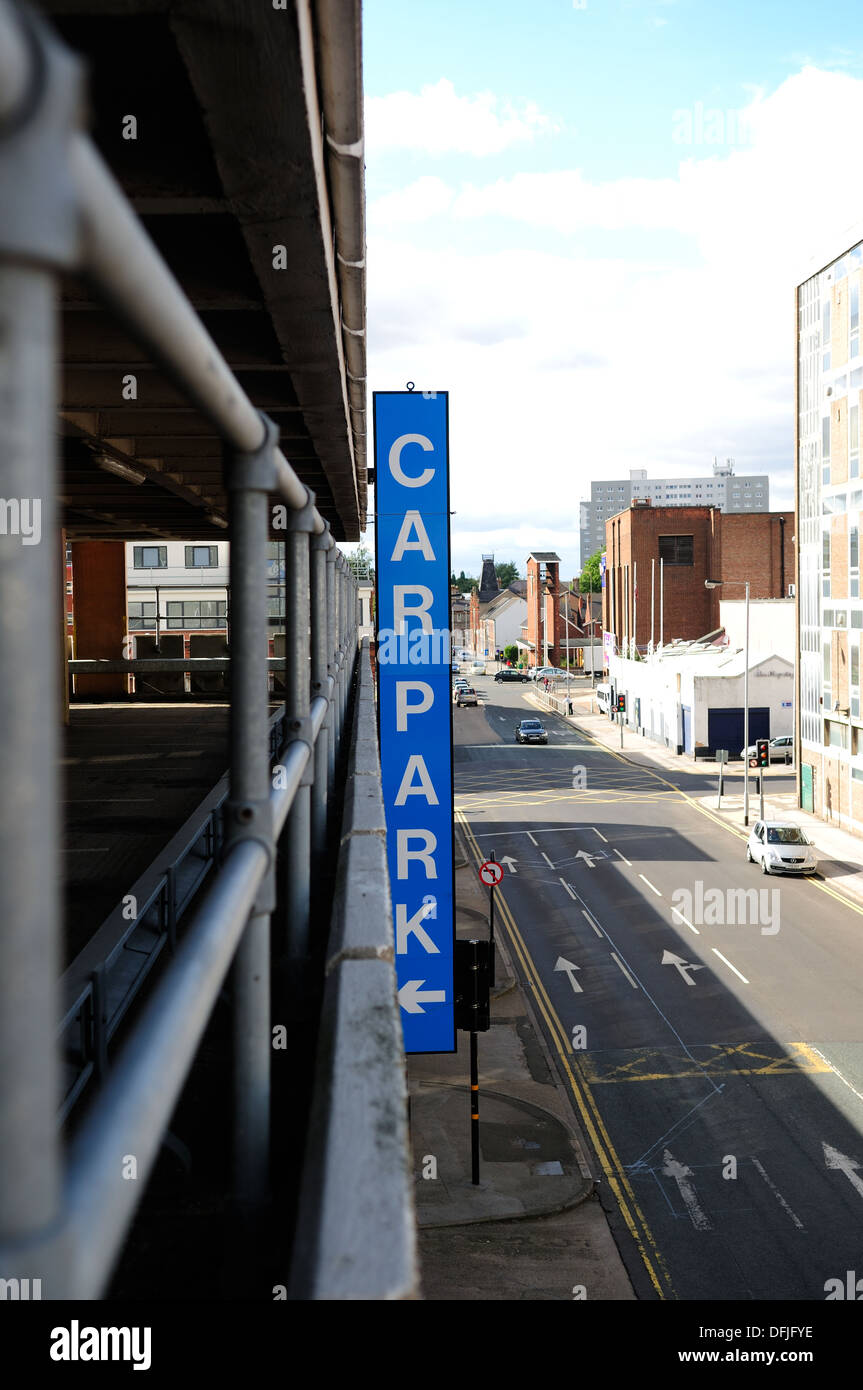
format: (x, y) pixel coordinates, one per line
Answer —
(675, 550)
(827, 648)
(825, 335)
(854, 562)
(197, 613)
(825, 565)
(202, 557)
(854, 441)
(854, 644)
(854, 322)
(150, 557)
(142, 616)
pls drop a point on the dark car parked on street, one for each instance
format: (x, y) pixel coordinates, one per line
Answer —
(530, 731)
(509, 674)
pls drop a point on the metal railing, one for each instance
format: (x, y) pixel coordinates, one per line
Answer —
(63, 1219)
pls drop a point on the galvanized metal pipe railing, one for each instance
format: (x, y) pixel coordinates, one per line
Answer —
(60, 208)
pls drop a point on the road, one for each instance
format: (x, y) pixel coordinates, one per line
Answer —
(711, 1040)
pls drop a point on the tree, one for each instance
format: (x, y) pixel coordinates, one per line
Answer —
(362, 563)
(506, 572)
(464, 583)
(591, 579)
(510, 653)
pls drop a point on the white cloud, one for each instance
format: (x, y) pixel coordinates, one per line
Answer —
(564, 367)
(426, 197)
(438, 121)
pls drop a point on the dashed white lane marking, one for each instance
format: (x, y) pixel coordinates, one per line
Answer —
(546, 858)
(778, 1195)
(624, 858)
(600, 834)
(618, 961)
(686, 920)
(650, 885)
(730, 966)
(568, 889)
(532, 840)
(586, 914)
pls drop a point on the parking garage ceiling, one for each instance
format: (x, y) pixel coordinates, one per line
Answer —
(231, 158)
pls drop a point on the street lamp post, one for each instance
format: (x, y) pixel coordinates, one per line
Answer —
(716, 584)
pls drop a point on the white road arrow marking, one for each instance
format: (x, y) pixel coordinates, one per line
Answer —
(510, 863)
(588, 858)
(834, 1159)
(681, 1175)
(669, 958)
(568, 966)
(410, 996)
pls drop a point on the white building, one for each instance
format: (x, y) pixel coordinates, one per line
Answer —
(723, 489)
(690, 697)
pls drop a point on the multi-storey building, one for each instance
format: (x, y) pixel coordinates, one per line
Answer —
(723, 489)
(829, 500)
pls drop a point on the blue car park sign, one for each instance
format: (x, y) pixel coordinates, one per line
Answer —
(414, 654)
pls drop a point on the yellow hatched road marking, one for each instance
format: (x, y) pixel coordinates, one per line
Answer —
(603, 1147)
(661, 1064)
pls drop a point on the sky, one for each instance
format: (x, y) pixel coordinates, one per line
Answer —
(586, 222)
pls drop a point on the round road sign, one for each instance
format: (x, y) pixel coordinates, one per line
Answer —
(491, 873)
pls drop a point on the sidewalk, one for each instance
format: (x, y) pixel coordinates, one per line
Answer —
(533, 1227)
(840, 854)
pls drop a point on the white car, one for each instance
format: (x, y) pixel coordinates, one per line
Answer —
(478, 668)
(779, 750)
(781, 847)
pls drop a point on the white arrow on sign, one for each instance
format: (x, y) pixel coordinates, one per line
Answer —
(669, 958)
(834, 1159)
(510, 863)
(410, 996)
(681, 1175)
(570, 969)
(583, 854)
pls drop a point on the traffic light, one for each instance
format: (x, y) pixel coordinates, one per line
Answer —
(762, 755)
(621, 704)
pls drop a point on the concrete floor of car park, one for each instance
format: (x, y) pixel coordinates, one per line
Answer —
(534, 1228)
(840, 853)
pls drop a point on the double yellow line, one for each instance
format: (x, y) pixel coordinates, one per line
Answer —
(584, 1101)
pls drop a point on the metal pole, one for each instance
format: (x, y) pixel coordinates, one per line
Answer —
(635, 607)
(333, 716)
(250, 478)
(319, 687)
(620, 718)
(661, 603)
(590, 619)
(29, 757)
(474, 1106)
(491, 929)
(746, 715)
(296, 859)
(652, 602)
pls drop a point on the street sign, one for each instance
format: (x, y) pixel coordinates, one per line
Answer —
(491, 873)
(721, 755)
(414, 647)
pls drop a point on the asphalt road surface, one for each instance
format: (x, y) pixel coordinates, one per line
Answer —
(707, 1020)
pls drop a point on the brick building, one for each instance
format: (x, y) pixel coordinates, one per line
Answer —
(693, 544)
(544, 619)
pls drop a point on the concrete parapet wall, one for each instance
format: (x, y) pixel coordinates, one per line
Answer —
(356, 1237)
